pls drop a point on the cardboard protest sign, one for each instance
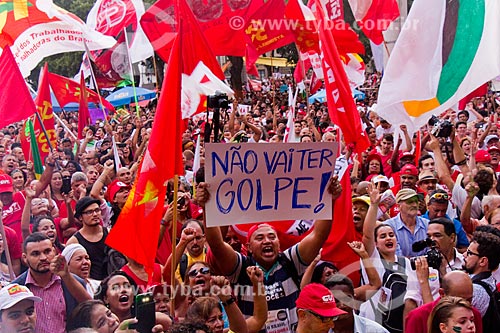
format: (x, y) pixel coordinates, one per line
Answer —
(256, 182)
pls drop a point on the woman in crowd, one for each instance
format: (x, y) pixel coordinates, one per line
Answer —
(117, 292)
(208, 310)
(79, 264)
(372, 166)
(452, 315)
(18, 179)
(55, 188)
(95, 315)
(45, 224)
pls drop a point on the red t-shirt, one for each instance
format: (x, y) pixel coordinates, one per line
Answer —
(156, 279)
(12, 214)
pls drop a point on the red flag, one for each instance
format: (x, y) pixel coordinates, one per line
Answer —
(222, 23)
(375, 16)
(481, 91)
(43, 103)
(262, 37)
(196, 47)
(315, 84)
(16, 102)
(68, 91)
(341, 106)
(335, 248)
(83, 109)
(136, 232)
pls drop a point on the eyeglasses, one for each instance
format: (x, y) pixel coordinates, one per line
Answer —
(322, 318)
(91, 212)
(202, 271)
(439, 196)
(470, 253)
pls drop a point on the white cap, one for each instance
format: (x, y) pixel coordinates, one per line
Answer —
(15, 293)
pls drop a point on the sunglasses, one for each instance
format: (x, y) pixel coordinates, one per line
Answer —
(322, 318)
(203, 271)
(439, 196)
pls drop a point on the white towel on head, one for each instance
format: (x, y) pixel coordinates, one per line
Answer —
(70, 249)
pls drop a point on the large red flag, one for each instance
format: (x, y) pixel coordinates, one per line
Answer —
(222, 23)
(83, 109)
(262, 37)
(68, 91)
(480, 91)
(43, 103)
(341, 106)
(16, 102)
(136, 232)
(375, 16)
(195, 47)
(335, 248)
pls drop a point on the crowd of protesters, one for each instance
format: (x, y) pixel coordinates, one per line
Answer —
(437, 188)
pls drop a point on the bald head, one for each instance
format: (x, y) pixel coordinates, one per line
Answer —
(362, 188)
(458, 284)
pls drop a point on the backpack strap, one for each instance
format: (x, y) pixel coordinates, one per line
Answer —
(290, 268)
(183, 263)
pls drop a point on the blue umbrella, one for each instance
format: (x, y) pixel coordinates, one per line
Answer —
(320, 96)
(125, 96)
(358, 95)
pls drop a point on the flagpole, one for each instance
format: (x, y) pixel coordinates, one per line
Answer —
(308, 89)
(65, 127)
(95, 82)
(156, 74)
(44, 131)
(131, 73)
(173, 267)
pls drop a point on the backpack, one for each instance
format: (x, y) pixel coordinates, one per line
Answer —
(491, 319)
(394, 279)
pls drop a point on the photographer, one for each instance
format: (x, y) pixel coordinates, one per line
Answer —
(441, 258)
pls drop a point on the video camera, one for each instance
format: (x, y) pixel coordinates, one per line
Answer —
(218, 101)
(440, 128)
(433, 255)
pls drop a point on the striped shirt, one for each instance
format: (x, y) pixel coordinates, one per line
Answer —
(51, 311)
(406, 238)
(281, 290)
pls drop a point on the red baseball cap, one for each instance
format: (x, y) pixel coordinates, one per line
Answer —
(319, 299)
(409, 169)
(482, 156)
(114, 187)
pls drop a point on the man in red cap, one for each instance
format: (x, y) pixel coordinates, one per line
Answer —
(408, 176)
(316, 309)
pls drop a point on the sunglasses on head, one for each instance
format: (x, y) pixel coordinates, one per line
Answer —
(439, 196)
(203, 271)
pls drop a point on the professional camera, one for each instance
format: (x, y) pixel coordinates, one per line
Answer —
(440, 128)
(433, 255)
(218, 101)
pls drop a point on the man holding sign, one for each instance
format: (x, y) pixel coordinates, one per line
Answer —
(281, 269)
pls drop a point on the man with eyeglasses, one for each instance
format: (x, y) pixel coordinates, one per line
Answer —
(316, 309)
(342, 289)
(437, 206)
(92, 235)
(481, 258)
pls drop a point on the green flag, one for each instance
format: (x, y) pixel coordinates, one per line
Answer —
(37, 162)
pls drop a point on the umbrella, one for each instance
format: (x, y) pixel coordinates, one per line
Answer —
(320, 96)
(125, 96)
(358, 95)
